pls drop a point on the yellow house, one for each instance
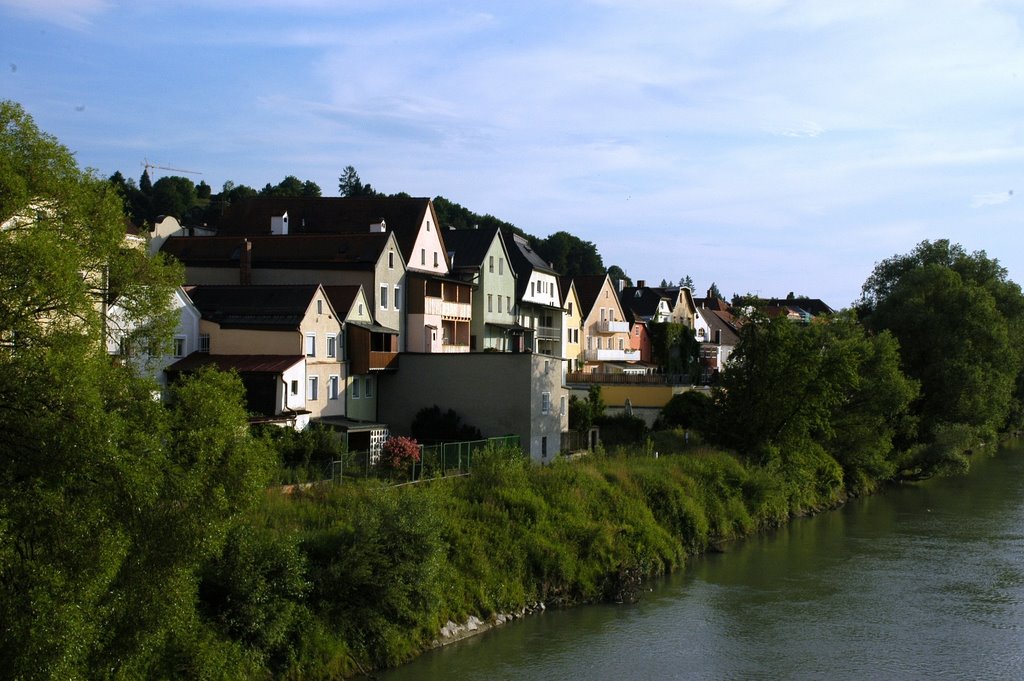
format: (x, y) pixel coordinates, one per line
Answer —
(573, 323)
(605, 331)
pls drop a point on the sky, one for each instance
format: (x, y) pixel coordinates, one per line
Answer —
(766, 146)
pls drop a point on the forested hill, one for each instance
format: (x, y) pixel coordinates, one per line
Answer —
(197, 205)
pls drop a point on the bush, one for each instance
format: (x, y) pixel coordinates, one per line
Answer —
(399, 452)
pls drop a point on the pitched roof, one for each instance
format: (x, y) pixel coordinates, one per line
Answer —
(640, 304)
(342, 297)
(469, 246)
(326, 251)
(243, 364)
(814, 306)
(588, 288)
(564, 282)
(278, 307)
(524, 261)
(332, 215)
(722, 328)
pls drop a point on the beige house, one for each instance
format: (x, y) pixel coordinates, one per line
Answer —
(371, 260)
(279, 321)
(606, 333)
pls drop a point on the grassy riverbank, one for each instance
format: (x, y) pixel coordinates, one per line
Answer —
(346, 578)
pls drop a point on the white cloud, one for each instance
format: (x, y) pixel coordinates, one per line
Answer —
(76, 14)
(990, 199)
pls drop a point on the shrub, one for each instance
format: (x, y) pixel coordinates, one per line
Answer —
(399, 452)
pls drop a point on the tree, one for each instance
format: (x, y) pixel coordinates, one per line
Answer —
(617, 274)
(570, 255)
(349, 184)
(108, 500)
(173, 195)
(713, 292)
(686, 282)
(960, 325)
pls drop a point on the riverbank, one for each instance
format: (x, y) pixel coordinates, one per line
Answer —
(383, 571)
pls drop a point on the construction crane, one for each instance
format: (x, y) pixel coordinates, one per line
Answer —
(147, 165)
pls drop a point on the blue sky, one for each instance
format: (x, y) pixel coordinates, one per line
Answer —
(765, 145)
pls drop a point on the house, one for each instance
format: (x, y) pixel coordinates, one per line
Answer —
(371, 260)
(606, 333)
(479, 256)
(372, 350)
(501, 393)
(438, 308)
(716, 348)
(572, 349)
(538, 299)
(643, 305)
(277, 321)
(185, 339)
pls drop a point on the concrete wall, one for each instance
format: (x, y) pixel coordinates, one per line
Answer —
(499, 393)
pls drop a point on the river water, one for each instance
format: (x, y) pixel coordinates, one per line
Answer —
(920, 582)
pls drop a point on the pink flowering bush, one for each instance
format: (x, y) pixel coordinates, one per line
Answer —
(398, 452)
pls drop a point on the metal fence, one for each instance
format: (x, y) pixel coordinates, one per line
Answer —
(440, 460)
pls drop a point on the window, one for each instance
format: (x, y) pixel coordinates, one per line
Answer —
(332, 345)
(179, 346)
(561, 406)
(295, 387)
(355, 388)
(391, 260)
(423, 256)
(501, 265)
(598, 343)
(383, 296)
(508, 304)
(621, 346)
(397, 302)
(368, 384)
(360, 309)
(314, 388)
(602, 314)
(435, 258)
(319, 307)
(490, 303)
(570, 308)
(545, 403)
(428, 225)
(636, 331)
(499, 302)
(332, 388)
(544, 447)
(490, 264)
(204, 342)
(532, 285)
(310, 345)
(588, 342)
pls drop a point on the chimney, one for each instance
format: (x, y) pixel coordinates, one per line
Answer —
(378, 227)
(641, 283)
(245, 263)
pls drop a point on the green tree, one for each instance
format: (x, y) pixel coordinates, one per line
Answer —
(570, 255)
(108, 499)
(349, 184)
(960, 325)
(686, 282)
(713, 291)
(618, 274)
(173, 195)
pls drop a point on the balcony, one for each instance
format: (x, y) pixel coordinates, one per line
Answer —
(608, 326)
(607, 355)
(383, 360)
(447, 309)
(549, 332)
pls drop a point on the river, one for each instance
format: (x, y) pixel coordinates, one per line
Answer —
(920, 582)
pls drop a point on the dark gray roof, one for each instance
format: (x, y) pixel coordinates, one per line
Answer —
(253, 307)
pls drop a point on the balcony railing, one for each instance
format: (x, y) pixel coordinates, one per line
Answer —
(552, 332)
(383, 360)
(608, 355)
(448, 347)
(452, 310)
(608, 326)
(627, 379)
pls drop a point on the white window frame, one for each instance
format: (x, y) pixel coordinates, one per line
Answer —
(332, 345)
(310, 345)
(314, 389)
(179, 346)
(545, 402)
(333, 384)
(396, 297)
(383, 296)
(490, 264)
(295, 387)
